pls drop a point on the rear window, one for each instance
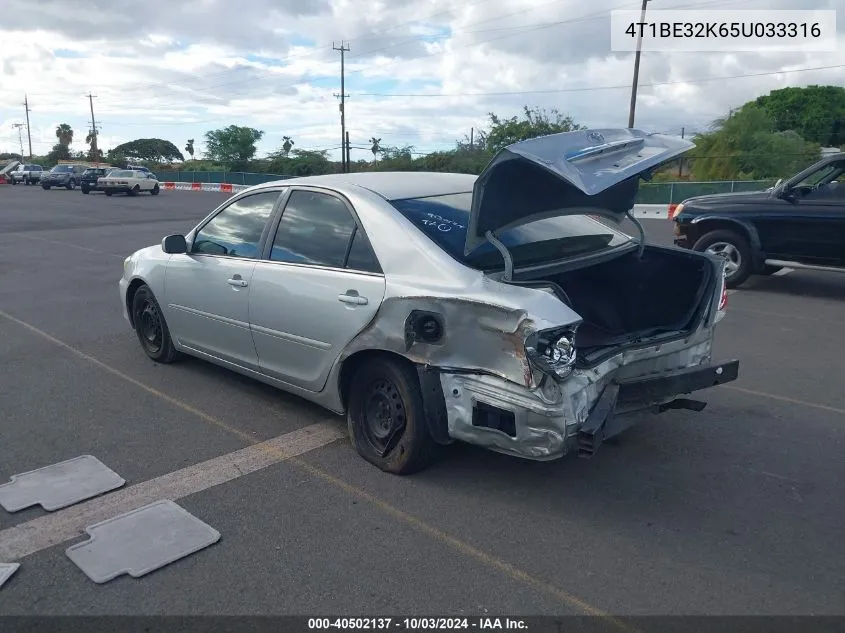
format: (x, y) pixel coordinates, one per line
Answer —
(444, 219)
(61, 169)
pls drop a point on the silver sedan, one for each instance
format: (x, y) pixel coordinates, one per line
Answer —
(434, 307)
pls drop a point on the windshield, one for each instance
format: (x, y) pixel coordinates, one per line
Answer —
(444, 219)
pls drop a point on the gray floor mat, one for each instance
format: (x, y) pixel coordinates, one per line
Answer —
(141, 541)
(7, 570)
(59, 485)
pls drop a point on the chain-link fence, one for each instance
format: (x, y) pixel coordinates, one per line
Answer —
(650, 193)
(231, 177)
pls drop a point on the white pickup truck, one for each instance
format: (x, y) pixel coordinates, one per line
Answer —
(128, 181)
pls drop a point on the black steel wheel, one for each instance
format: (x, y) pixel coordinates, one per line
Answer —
(151, 327)
(386, 418)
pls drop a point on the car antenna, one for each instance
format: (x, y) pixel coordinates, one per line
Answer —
(506, 254)
(640, 229)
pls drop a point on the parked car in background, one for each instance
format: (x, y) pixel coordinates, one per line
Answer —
(27, 174)
(64, 175)
(431, 307)
(91, 176)
(128, 181)
(799, 223)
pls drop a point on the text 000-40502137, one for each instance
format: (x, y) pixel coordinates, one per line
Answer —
(723, 30)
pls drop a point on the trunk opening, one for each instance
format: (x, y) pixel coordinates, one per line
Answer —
(630, 298)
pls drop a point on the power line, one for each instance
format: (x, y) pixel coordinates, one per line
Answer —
(594, 88)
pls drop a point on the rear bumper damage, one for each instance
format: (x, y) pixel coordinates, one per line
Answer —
(580, 412)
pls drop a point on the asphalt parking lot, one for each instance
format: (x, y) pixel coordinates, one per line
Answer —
(734, 510)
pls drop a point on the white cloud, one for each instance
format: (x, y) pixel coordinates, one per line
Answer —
(199, 66)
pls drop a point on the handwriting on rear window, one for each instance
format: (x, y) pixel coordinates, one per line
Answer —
(440, 223)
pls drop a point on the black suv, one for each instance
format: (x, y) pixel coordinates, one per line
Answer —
(799, 223)
(90, 176)
(65, 175)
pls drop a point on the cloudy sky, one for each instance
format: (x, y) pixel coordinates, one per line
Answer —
(420, 73)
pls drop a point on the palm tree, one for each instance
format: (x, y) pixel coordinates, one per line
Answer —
(376, 148)
(287, 145)
(65, 134)
(189, 147)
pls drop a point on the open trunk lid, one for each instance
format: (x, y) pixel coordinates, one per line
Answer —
(593, 172)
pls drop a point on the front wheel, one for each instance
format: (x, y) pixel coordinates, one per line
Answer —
(154, 191)
(107, 192)
(386, 418)
(85, 189)
(45, 187)
(151, 328)
(735, 250)
(71, 185)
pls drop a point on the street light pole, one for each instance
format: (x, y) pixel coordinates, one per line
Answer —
(637, 55)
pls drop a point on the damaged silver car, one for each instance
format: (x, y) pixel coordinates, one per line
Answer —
(432, 307)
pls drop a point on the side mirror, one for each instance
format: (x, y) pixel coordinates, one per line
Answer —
(174, 245)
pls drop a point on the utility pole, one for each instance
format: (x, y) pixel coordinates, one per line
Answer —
(28, 133)
(471, 138)
(348, 166)
(633, 107)
(94, 152)
(343, 48)
(20, 138)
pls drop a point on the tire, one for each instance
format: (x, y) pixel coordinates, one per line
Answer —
(154, 191)
(134, 191)
(151, 327)
(71, 185)
(14, 181)
(391, 388)
(107, 192)
(735, 248)
(45, 187)
(85, 189)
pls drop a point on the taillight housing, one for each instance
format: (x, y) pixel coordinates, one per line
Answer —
(675, 209)
(723, 301)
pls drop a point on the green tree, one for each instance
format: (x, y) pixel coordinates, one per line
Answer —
(149, 149)
(287, 145)
(747, 146)
(189, 147)
(375, 148)
(817, 113)
(65, 134)
(233, 145)
(59, 152)
(534, 122)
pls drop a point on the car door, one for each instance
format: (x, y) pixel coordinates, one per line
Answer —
(809, 225)
(319, 285)
(207, 289)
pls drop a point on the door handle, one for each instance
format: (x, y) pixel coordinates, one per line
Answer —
(354, 299)
(237, 281)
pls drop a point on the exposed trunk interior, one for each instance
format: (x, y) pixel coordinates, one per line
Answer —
(631, 297)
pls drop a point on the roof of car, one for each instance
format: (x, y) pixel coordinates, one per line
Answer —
(391, 185)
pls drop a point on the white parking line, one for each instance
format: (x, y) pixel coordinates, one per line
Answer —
(68, 524)
(783, 271)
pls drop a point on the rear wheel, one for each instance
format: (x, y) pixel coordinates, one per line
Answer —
(386, 418)
(151, 328)
(71, 185)
(45, 187)
(107, 192)
(85, 189)
(134, 191)
(735, 250)
(14, 181)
